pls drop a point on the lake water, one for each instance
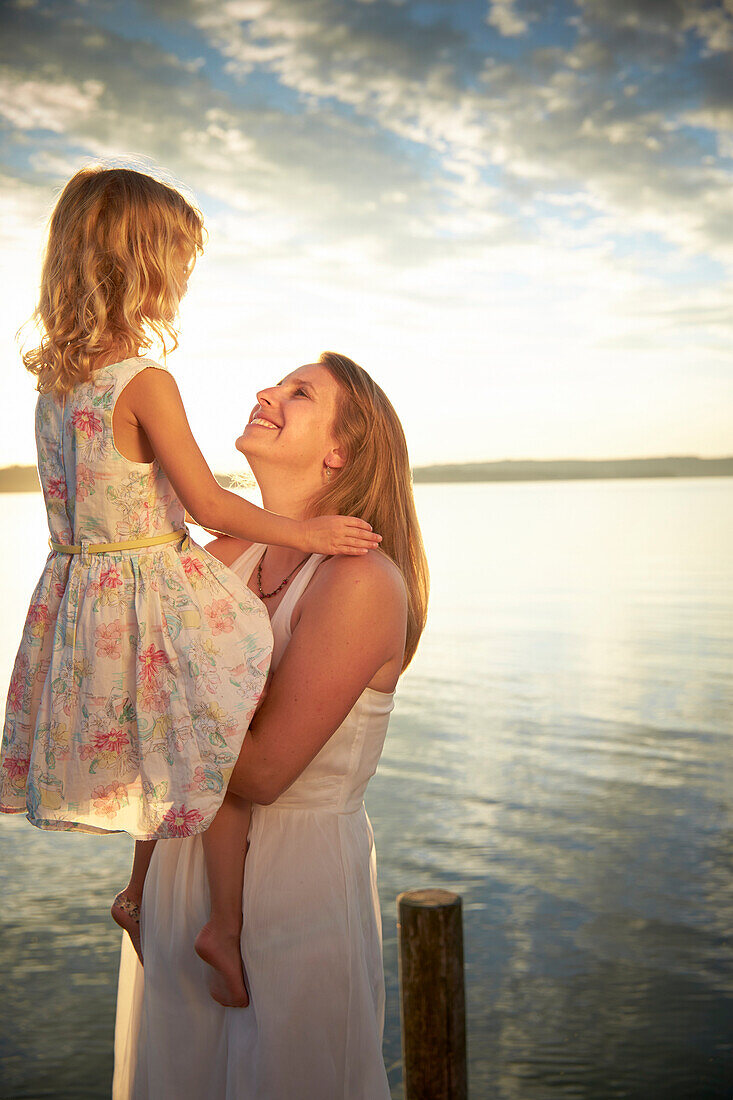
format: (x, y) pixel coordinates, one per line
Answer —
(560, 755)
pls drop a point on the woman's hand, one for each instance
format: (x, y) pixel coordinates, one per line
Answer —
(338, 535)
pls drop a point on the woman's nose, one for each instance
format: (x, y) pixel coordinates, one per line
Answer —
(265, 397)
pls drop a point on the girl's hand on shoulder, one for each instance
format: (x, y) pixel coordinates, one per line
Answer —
(339, 535)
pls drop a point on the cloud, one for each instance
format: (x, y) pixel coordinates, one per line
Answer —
(399, 127)
(658, 27)
(38, 105)
(714, 24)
(384, 168)
(504, 16)
(310, 174)
(550, 117)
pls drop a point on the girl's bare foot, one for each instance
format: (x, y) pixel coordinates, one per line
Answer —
(127, 914)
(222, 952)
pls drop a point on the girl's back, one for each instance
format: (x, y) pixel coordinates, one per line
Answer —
(92, 492)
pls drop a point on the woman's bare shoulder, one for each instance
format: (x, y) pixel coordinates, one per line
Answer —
(227, 549)
(370, 576)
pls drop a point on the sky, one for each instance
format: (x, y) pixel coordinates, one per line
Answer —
(516, 214)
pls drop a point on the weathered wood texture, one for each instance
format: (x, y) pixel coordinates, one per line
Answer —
(433, 1010)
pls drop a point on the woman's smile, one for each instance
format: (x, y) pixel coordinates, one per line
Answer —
(261, 422)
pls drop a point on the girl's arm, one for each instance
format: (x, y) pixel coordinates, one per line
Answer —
(153, 399)
(352, 623)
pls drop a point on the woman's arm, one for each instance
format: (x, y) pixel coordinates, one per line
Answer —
(352, 624)
(226, 548)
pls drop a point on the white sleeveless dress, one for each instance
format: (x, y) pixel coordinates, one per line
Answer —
(311, 942)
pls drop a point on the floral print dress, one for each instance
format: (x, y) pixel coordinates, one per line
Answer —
(139, 670)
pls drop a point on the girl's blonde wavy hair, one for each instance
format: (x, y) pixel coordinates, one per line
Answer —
(120, 247)
(376, 484)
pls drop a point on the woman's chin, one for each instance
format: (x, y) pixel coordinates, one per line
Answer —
(247, 447)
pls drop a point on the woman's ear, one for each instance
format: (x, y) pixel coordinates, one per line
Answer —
(335, 458)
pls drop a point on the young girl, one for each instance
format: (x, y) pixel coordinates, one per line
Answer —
(142, 658)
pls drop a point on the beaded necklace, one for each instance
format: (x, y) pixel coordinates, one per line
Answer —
(268, 595)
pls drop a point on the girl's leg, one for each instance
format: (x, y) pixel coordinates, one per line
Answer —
(126, 906)
(218, 942)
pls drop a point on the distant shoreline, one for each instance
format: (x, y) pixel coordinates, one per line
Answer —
(24, 479)
(576, 469)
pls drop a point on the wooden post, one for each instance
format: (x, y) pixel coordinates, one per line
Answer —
(433, 1008)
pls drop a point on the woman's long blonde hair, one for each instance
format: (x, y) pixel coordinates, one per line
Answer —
(376, 484)
(119, 245)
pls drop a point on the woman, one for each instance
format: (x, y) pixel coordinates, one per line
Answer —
(325, 439)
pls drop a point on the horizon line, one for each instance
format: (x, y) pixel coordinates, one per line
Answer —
(497, 461)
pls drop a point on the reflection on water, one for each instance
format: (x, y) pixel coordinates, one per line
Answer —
(560, 754)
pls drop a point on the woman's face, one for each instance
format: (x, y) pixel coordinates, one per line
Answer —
(291, 426)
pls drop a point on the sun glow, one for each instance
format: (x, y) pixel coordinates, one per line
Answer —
(460, 231)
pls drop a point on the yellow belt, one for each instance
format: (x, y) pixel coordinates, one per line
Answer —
(112, 547)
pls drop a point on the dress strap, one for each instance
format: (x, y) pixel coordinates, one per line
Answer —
(245, 563)
(284, 610)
